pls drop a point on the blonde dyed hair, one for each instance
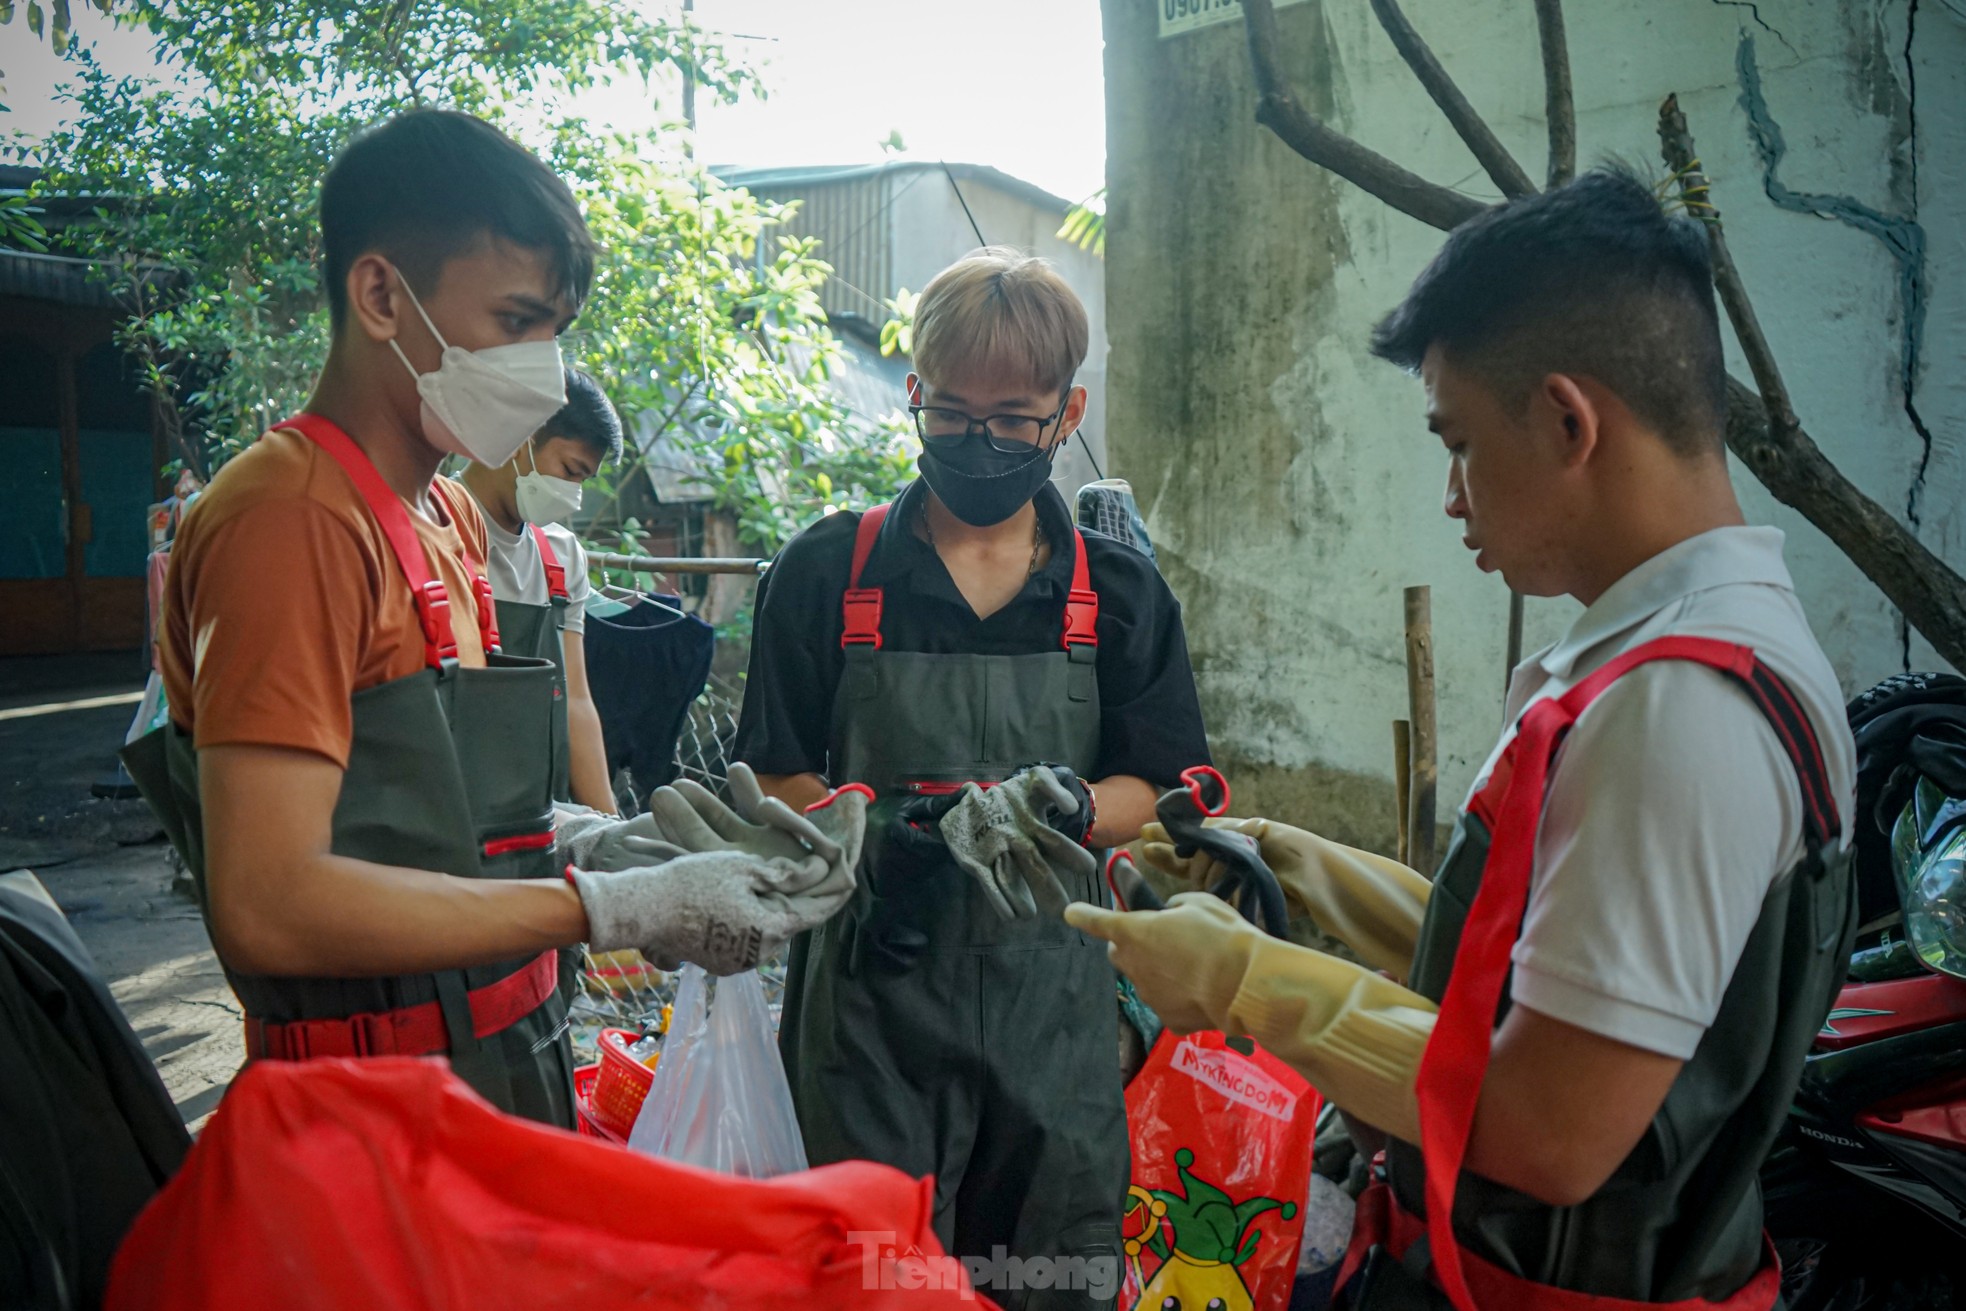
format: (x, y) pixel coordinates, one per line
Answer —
(999, 311)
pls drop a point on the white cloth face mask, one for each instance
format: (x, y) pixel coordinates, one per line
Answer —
(545, 499)
(484, 404)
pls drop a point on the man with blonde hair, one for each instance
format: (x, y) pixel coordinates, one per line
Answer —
(947, 1023)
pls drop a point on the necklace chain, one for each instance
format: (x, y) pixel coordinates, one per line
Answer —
(1037, 539)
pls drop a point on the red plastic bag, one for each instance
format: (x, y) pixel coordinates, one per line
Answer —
(1221, 1165)
(387, 1183)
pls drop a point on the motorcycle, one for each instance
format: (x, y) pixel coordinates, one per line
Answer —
(1866, 1187)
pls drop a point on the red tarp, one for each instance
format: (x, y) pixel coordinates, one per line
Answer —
(387, 1183)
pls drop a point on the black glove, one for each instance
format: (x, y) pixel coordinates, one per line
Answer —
(903, 848)
(908, 828)
(1183, 812)
(1078, 824)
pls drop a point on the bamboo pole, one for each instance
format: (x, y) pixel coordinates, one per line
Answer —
(1420, 710)
(658, 564)
(1402, 778)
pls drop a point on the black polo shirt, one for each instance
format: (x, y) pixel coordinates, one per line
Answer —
(1150, 720)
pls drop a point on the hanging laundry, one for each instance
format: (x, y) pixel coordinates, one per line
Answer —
(645, 666)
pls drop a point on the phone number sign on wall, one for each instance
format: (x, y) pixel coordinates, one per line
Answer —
(1178, 16)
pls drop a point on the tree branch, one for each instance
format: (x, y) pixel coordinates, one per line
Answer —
(1487, 149)
(1558, 107)
(1278, 109)
(1765, 434)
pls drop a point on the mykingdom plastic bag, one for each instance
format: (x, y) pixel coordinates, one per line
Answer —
(1222, 1133)
(720, 1098)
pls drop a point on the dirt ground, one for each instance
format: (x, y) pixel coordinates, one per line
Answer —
(105, 863)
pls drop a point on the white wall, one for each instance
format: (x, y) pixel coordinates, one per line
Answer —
(1287, 476)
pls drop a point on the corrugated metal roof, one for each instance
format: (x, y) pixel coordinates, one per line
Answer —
(69, 281)
(796, 176)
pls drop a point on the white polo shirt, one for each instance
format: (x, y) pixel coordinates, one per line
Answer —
(518, 574)
(1673, 809)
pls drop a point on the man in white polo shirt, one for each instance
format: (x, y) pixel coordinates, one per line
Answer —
(1602, 1010)
(538, 571)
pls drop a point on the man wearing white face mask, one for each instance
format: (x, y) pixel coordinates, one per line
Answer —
(538, 570)
(358, 778)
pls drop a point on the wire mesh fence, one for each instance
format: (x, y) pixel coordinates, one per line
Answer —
(620, 990)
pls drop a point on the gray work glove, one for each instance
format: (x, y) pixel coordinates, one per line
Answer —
(723, 910)
(597, 841)
(693, 818)
(1002, 838)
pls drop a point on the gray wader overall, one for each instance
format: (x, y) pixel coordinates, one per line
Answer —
(449, 769)
(1681, 1218)
(991, 1062)
(531, 630)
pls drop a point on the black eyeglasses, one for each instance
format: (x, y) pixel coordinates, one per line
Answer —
(1007, 433)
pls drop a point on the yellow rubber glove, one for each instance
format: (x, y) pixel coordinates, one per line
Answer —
(1371, 904)
(1356, 1035)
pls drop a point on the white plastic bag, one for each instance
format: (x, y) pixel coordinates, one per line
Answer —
(720, 1098)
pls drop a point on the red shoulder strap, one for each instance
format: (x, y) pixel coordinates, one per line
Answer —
(862, 605)
(1456, 1058)
(433, 605)
(487, 608)
(556, 573)
(1082, 603)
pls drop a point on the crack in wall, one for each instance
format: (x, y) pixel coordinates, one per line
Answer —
(1915, 495)
(1760, 22)
(1903, 238)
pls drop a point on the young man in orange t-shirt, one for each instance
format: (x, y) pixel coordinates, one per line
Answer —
(361, 789)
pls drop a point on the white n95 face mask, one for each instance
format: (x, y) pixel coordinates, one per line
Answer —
(484, 404)
(545, 499)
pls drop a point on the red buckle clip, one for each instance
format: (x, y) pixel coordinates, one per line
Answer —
(487, 615)
(862, 607)
(1081, 619)
(434, 609)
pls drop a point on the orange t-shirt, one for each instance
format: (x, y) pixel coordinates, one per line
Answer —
(284, 599)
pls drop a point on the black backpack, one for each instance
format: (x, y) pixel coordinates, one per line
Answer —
(87, 1132)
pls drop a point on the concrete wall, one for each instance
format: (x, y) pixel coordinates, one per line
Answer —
(931, 233)
(1287, 477)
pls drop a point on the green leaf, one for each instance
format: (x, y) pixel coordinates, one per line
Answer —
(1085, 225)
(693, 336)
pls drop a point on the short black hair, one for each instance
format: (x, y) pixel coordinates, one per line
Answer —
(427, 185)
(1593, 278)
(588, 417)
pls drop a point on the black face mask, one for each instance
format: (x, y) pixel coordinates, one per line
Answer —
(981, 485)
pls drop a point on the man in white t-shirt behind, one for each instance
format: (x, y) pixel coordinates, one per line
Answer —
(1646, 909)
(538, 569)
